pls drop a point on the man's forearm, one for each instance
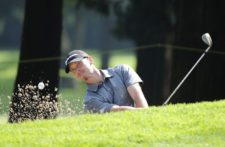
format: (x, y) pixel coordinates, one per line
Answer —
(141, 102)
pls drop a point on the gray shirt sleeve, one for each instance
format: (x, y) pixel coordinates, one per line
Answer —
(129, 75)
(94, 104)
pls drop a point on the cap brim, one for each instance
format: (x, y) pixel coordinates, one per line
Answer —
(74, 60)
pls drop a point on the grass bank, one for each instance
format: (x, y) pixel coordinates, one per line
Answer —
(200, 124)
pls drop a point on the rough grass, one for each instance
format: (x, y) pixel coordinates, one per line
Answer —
(200, 124)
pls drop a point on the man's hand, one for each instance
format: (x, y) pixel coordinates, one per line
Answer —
(116, 108)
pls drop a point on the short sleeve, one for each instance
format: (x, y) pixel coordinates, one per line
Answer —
(129, 76)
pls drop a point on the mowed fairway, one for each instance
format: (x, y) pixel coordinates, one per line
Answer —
(200, 124)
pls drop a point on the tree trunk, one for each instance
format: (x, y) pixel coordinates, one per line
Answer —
(153, 26)
(150, 68)
(39, 61)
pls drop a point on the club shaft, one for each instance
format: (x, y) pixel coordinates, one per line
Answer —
(189, 72)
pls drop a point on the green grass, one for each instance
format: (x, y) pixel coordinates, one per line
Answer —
(200, 124)
(8, 69)
(69, 96)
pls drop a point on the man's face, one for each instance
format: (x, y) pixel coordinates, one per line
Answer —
(82, 69)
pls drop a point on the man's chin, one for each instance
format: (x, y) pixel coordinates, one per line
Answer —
(85, 79)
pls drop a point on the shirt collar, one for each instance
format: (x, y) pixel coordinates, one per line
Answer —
(106, 74)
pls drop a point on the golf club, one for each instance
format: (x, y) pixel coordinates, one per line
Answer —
(207, 40)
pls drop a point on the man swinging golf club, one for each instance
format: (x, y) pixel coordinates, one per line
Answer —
(112, 89)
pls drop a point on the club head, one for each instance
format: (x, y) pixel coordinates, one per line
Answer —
(207, 39)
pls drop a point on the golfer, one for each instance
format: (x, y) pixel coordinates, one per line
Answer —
(108, 90)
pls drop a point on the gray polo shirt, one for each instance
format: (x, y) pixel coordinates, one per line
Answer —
(113, 91)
